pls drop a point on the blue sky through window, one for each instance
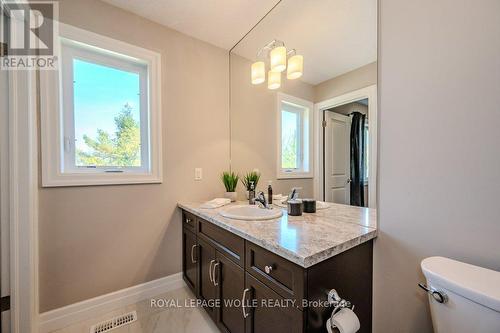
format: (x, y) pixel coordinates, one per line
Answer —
(100, 92)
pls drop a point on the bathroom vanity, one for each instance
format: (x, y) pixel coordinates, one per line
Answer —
(280, 269)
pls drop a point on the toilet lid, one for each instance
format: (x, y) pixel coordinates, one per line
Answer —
(478, 284)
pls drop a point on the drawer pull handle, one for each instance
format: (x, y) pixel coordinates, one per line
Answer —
(188, 220)
(213, 274)
(268, 269)
(243, 299)
(193, 260)
(210, 271)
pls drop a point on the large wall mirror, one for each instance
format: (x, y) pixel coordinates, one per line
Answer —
(303, 100)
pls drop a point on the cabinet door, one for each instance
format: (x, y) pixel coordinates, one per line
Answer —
(230, 281)
(271, 318)
(189, 259)
(206, 287)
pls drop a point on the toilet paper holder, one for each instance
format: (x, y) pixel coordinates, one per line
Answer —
(338, 302)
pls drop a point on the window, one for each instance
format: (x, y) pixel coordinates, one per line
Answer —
(104, 114)
(294, 137)
(107, 116)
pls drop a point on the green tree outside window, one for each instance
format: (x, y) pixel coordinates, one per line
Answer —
(122, 150)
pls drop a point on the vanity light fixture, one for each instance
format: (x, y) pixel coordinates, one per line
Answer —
(295, 67)
(279, 60)
(273, 80)
(258, 72)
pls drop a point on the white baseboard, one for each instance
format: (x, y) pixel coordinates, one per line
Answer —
(77, 312)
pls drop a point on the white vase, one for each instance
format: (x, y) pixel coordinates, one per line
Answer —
(231, 195)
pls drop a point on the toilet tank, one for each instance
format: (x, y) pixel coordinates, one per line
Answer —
(473, 296)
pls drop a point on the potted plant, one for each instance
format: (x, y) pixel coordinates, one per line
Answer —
(249, 178)
(230, 180)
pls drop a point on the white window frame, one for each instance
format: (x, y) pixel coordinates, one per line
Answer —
(305, 149)
(57, 118)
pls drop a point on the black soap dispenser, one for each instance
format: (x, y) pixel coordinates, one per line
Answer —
(270, 193)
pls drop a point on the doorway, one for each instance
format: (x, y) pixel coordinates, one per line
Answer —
(346, 149)
(346, 161)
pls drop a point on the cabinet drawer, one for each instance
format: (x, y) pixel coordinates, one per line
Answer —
(189, 221)
(224, 241)
(284, 277)
(270, 319)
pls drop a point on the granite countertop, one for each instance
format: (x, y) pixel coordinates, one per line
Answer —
(305, 240)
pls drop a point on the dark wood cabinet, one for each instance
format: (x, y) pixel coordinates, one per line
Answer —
(350, 273)
(281, 275)
(189, 259)
(189, 221)
(230, 281)
(225, 242)
(206, 289)
(223, 270)
(277, 316)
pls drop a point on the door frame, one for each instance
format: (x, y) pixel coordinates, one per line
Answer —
(370, 93)
(23, 162)
(23, 200)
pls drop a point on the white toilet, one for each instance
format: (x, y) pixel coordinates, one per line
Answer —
(463, 298)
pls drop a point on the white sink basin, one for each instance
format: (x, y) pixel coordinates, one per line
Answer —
(251, 213)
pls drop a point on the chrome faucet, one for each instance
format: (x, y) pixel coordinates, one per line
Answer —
(261, 199)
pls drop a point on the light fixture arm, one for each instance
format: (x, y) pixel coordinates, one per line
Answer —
(269, 46)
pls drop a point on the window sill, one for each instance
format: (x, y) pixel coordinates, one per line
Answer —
(295, 175)
(68, 179)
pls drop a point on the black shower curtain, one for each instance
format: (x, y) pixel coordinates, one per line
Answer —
(357, 159)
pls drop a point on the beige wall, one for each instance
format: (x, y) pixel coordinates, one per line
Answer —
(98, 239)
(438, 164)
(253, 127)
(359, 78)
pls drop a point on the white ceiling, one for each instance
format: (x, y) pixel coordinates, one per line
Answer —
(334, 36)
(219, 22)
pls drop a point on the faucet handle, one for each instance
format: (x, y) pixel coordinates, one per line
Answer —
(295, 193)
(261, 199)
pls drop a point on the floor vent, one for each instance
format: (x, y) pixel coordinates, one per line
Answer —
(113, 323)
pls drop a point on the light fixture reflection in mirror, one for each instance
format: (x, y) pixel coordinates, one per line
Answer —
(258, 72)
(278, 59)
(273, 80)
(295, 67)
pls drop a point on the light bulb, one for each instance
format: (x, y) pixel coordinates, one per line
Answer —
(295, 67)
(258, 72)
(273, 80)
(278, 59)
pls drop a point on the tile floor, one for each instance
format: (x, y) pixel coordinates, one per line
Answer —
(156, 320)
